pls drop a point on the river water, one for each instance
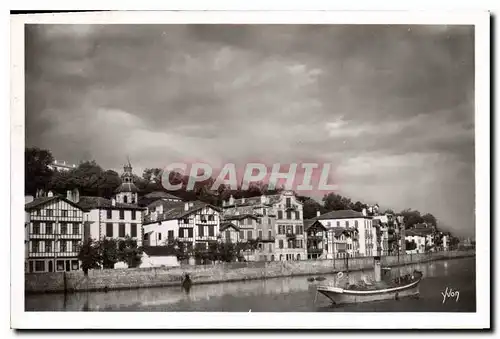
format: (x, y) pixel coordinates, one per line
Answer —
(294, 294)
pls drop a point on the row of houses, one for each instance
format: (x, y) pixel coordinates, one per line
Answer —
(56, 225)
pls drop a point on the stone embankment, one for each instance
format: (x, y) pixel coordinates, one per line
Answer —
(112, 279)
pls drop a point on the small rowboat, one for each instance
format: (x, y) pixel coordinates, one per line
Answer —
(365, 293)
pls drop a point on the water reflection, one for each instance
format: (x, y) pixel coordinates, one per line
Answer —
(274, 294)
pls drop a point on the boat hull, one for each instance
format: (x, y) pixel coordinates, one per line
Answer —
(341, 296)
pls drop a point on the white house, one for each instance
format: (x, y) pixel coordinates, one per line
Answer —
(54, 231)
(362, 238)
(118, 217)
(193, 223)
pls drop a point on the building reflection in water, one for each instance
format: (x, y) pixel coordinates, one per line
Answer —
(149, 297)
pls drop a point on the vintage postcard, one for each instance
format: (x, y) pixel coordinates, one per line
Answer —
(250, 170)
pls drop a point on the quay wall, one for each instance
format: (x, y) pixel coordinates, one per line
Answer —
(112, 279)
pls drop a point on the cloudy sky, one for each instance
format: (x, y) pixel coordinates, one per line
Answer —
(392, 107)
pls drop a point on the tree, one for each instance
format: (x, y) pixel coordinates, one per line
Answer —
(359, 206)
(37, 174)
(129, 253)
(108, 252)
(335, 202)
(429, 219)
(310, 208)
(89, 255)
(411, 218)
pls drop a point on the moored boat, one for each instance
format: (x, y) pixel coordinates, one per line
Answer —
(404, 286)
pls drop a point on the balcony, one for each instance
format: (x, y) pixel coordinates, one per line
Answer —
(315, 237)
(291, 236)
(267, 239)
(312, 250)
(290, 207)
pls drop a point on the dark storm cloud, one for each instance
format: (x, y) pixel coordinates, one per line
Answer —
(381, 102)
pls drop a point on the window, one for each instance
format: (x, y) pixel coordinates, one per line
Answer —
(201, 230)
(37, 212)
(281, 244)
(356, 223)
(125, 199)
(211, 231)
(297, 229)
(48, 246)
(39, 266)
(186, 221)
(347, 223)
(289, 215)
(62, 246)
(109, 229)
(64, 213)
(280, 214)
(36, 228)
(75, 213)
(74, 265)
(270, 234)
(121, 230)
(269, 221)
(264, 211)
(270, 248)
(297, 215)
(133, 230)
(211, 217)
(49, 228)
(49, 212)
(133, 215)
(35, 244)
(228, 236)
(260, 234)
(76, 228)
(249, 235)
(190, 233)
(64, 228)
(122, 214)
(288, 202)
(249, 221)
(159, 236)
(242, 235)
(203, 218)
(109, 214)
(60, 265)
(170, 235)
(146, 237)
(74, 246)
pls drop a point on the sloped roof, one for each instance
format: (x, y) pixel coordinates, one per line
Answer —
(341, 214)
(308, 223)
(159, 251)
(90, 202)
(240, 217)
(337, 231)
(38, 202)
(227, 224)
(127, 187)
(419, 232)
(176, 210)
(161, 195)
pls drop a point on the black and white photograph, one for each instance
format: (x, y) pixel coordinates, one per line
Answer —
(320, 167)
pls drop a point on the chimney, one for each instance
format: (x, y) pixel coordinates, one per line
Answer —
(262, 199)
(364, 212)
(113, 202)
(28, 198)
(223, 203)
(231, 200)
(76, 195)
(50, 194)
(69, 195)
(186, 206)
(318, 213)
(242, 200)
(191, 204)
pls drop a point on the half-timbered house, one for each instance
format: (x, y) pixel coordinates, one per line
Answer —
(55, 231)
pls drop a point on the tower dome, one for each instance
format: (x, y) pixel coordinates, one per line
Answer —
(127, 191)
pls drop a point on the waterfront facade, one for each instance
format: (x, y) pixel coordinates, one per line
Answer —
(195, 224)
(54, 231)
(280, 233)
